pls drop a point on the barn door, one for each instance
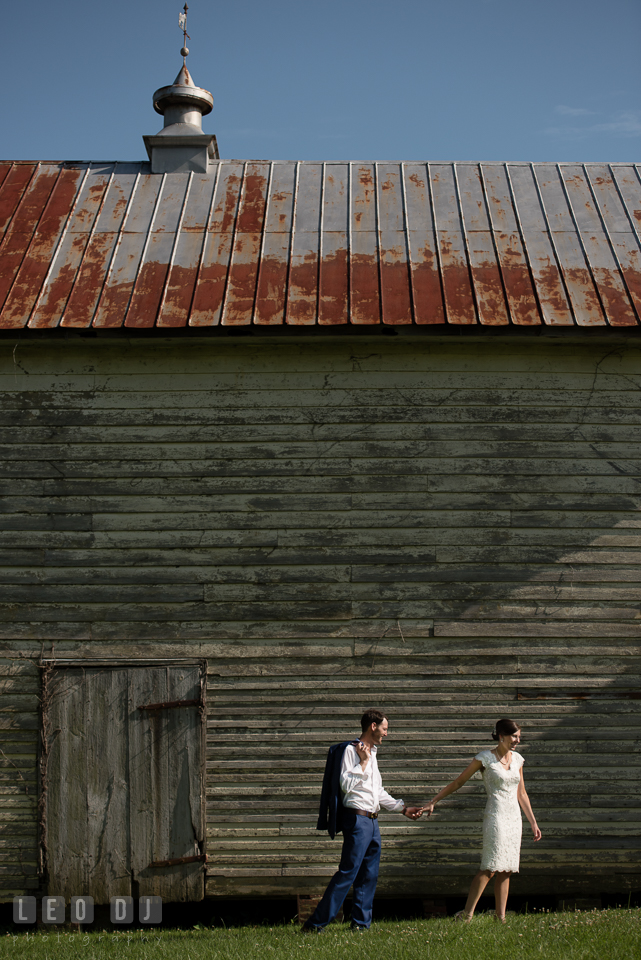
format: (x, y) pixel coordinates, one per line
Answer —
(124, 781)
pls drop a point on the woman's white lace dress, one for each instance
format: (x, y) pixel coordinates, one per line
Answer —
(502, 823)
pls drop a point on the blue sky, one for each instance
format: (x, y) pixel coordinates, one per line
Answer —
(338, 80)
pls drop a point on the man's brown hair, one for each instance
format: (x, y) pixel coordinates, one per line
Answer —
(372, 716)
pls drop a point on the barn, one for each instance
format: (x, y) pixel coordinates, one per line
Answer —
(285, 440)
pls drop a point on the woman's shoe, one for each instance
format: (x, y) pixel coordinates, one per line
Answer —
(463, 917)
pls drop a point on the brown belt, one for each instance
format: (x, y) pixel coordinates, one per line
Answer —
(365, 813)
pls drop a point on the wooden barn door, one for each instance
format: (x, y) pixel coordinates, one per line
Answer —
(124, 781)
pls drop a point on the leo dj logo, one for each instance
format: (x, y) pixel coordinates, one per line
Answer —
(53, 910)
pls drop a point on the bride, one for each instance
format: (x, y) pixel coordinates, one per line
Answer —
(502, 772)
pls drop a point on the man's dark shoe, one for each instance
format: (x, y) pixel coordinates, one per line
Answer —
(308, 927)
(358, 927)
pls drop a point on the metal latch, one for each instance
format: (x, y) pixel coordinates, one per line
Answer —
(199, 858)
(170, 704)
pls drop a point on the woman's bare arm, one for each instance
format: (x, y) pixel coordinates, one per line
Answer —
(452, 787)
(524, 800)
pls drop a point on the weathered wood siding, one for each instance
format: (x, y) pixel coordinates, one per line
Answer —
(19, 723)
(446, 528)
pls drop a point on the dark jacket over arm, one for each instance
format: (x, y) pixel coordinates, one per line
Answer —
(330, 815)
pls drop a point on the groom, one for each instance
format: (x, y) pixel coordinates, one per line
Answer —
(351, 798)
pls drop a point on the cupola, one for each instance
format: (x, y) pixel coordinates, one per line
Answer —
(181, 146)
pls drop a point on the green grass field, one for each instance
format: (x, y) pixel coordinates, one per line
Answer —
(595, 935)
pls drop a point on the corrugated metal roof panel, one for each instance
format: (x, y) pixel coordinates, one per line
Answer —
(255, 242)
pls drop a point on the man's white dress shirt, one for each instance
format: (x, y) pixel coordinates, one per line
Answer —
(363, 789)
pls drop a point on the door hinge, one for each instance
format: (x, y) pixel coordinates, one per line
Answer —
(199, 858)
(170, 704)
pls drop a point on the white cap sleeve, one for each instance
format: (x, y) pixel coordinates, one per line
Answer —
(482, 757)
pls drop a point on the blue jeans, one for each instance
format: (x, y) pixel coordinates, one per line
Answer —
(360, 859)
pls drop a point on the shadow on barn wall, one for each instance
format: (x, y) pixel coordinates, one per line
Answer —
(453, 545)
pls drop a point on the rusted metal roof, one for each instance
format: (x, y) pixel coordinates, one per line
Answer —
(272, 243)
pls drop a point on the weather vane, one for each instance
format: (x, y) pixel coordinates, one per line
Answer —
(182, 22)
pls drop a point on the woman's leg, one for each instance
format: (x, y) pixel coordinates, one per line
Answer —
(479, 883)
(501, 890)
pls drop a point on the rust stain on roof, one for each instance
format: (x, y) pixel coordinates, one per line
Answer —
(262, 243)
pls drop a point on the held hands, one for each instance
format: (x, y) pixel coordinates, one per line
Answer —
(412, 813)
(428, 809)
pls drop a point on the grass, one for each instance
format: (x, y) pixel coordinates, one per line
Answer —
(595, 935)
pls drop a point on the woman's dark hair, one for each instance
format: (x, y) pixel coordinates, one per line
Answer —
(504, 728)
(372, 716)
